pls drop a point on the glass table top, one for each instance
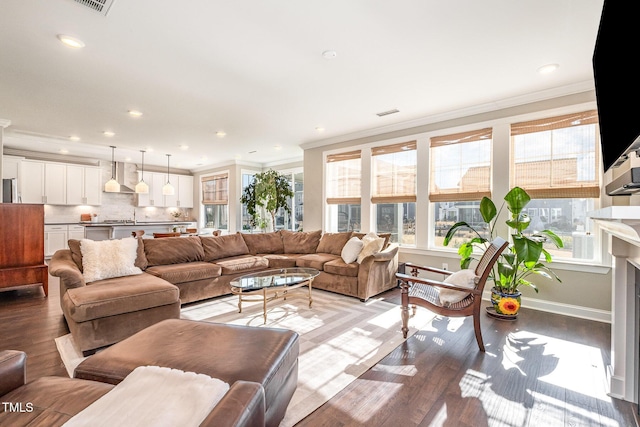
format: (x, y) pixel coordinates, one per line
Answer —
(274, 278)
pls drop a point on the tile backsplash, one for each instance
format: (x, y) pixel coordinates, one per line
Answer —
(115, 206)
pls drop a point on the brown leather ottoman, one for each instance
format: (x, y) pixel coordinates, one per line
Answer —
(228, 352)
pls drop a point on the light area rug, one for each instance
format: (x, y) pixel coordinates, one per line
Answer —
(340, 338)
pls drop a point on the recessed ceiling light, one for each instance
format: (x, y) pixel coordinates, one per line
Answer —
(64, 151)
(277, 147)
(127, 159)
(70, 41)
(319, 129)
(547, 69)
(74, 138)
(329, 54)
(184, 147)
(135, 113)
(221, 134)
(108, 133)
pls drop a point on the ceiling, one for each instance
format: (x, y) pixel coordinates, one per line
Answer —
(255, 70)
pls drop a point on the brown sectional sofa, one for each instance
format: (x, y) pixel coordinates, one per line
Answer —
(180, 270)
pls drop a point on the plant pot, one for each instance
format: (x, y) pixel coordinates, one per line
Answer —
(506, 305)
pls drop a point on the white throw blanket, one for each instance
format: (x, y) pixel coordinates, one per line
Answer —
(154, 396)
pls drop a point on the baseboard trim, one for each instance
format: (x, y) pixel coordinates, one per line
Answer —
(560, 308)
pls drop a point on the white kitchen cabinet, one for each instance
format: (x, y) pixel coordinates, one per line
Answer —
(184, 187)
(183, 197)
(155, 181)
(75, 232)
(84, 186)
(43, 182)
(11, 167)
(32, 181)
(55, 238)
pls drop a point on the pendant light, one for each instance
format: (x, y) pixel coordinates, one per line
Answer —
(112, 185)
(167, 189)
(142, 187)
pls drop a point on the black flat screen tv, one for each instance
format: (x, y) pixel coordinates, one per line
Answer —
(617, 81)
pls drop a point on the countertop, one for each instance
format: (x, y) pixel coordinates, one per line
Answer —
(121, 224)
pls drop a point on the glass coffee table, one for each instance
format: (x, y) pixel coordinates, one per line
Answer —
(269, 285)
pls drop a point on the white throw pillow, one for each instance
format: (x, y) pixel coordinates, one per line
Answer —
(463, 278)
(372, 244)
(351, 250)
(108, 258)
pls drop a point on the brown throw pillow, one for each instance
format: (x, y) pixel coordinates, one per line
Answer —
(264, 243)
(223, 246)
(332, 243)
(300, 242)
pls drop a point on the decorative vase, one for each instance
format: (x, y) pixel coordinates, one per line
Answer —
(506, 305)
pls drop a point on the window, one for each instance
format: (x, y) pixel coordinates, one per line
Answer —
(293, 221)
(215, 200)
(394, 190)
(343, 191)
(556, 161)
(460, 176)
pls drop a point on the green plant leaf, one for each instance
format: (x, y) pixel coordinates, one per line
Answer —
(454, 228)
(488, 209)
(520, 223)
(553, 237)
(516, 200)
(528, 251)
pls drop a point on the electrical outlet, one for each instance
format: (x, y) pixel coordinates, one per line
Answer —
(445, 266)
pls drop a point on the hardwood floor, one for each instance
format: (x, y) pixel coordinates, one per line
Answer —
(541, 370)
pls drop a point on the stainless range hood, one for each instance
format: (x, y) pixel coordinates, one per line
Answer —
(120, 177)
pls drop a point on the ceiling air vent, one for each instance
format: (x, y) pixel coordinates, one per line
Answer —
(386, 113)
(100, 6)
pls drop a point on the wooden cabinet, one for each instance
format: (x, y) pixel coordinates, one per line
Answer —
(11, 167)
(55, 183)
(22, 248)
(184, 190)
(155, 181)
(183, 185)
(75, 232)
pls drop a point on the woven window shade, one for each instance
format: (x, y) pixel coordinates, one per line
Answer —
(557, 157)
(394, 173)
(215, 189)
(461, 166)
(344, 178)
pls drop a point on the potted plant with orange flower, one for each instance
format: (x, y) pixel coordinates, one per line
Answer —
(520, 261)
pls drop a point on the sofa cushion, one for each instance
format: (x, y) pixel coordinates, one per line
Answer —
(173, 250)
(351, 250)
(332, 243)
(108, 258)
(339, 267)
(385, 236)
(371, 245)
(264, 243)
(218, 247)
(281, 261)
(300, 242)
(316, 261)
(186, 272)
(76, 254)
(242, 263)
(120, 295)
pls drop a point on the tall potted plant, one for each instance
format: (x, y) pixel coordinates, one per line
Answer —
(269, 191)
(519, 261)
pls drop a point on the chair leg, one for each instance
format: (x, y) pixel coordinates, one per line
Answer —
(476, 326)
(404, 293)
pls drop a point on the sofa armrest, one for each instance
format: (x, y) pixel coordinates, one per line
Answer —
(13, 370)
(242, 406)
(377, 273)
(62, 265)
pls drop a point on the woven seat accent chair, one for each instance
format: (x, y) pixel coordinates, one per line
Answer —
(160, 235)
(423, 292)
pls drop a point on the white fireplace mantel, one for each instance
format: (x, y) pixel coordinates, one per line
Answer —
(622, 223)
